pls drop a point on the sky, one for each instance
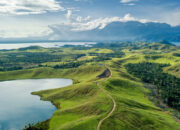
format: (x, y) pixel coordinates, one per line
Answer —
(38, 18)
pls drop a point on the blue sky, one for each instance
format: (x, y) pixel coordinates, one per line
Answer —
(36, 18)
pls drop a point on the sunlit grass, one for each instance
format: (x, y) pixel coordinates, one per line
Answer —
(82, 105)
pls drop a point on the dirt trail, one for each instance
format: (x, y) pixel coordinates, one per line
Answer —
(114, 103)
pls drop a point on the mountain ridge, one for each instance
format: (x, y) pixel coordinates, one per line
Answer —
(115, 31)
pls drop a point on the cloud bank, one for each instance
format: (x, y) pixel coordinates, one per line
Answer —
(72, 24)
(127, 1)
(25, 7)
(25, 32)
(84, 24)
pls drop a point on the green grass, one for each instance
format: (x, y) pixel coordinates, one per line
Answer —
(134, 109)
(82, 105)
(174, 70)
(81, 74)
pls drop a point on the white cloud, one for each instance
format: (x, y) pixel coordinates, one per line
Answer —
(72, 29)
(74, 24)
(69, 14)
(71, 17)
(24, 30)
(172, 18)
(127, 1)
(100, 23)
(130, 4)
(25, 7)
(81, 19)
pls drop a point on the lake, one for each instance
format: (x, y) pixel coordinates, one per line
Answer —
(19, 108)
(8, 46)
(176, 43)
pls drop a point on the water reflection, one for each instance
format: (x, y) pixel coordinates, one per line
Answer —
(18, 107)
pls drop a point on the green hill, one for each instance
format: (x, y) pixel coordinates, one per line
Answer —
(101, 76)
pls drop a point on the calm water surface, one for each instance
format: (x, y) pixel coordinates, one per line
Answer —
(18, 107)
(176, 43)
(8, 46)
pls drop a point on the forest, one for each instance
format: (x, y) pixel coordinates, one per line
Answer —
(167, 85)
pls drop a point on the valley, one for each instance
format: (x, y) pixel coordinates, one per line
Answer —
(109, 84)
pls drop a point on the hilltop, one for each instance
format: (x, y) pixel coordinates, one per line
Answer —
(97, 71)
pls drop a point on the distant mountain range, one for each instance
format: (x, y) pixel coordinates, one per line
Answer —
(116, 31)
(123, 31)
(141, 31)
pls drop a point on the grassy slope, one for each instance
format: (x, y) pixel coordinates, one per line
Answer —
(45, 72)
(82, 105)
(174, 70)
(134, 110)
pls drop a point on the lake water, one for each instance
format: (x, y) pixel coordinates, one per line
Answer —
(18, 107)
(176, 43)
(8, 46)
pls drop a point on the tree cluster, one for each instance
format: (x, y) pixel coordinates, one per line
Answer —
(168, 86)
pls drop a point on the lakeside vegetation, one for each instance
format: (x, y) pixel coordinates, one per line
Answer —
(83, 104)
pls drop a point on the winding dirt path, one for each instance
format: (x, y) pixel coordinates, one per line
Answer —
(114, 104)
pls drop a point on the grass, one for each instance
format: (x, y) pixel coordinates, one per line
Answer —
(83, 73)
(134, 109)
(174, 70)
(82, 105)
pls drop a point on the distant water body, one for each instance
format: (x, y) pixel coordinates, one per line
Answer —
(8, 46)
(176, 43)
(19, 108)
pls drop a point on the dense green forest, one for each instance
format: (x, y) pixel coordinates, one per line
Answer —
(167, 85)
(18, 60)
(30, 58)
(177, 54)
